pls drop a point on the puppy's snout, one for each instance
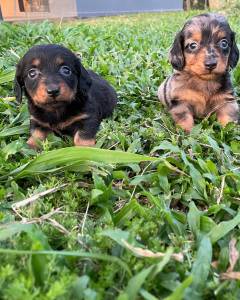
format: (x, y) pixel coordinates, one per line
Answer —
(211, 64)
(53, 90)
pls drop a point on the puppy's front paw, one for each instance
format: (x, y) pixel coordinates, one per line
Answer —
(37, 136)
(32, 143)
(228, 113)
(183, 117)
(79, 141)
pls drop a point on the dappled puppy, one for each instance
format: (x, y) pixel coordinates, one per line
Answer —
(202, 54)
(63, 97)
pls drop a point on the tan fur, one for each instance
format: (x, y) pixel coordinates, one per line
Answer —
(78, 141)
(59, 60)
(36, 136)
(41, 97)
(36, 62)
(62, 125)
(228, 113)
(201, 95)
(196, 91)
(65, 92)
(183, 117)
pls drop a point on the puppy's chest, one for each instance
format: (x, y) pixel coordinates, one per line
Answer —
(202, 98)
(57, 120)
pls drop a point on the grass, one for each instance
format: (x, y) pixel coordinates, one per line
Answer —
(155, 218)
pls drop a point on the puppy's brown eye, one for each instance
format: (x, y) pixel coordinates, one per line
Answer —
(65, 70)
(33, 73)
(192, 46)
(223, 44)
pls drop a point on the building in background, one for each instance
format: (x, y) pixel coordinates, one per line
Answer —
(14, 10)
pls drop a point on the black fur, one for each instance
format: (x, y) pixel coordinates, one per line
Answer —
(177, 58)
(92, 95)
(176, 53)
(234, 53)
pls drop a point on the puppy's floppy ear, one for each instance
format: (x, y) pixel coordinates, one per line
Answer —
(234, 53)
(176, 56)
(84, 81)
(18, 82)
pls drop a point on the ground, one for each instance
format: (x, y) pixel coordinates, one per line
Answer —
(118, 227)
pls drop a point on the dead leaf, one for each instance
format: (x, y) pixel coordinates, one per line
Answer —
(233, 255)
(230, 276)
(148, 253)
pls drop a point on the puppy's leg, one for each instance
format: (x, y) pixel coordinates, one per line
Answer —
(37, 134)
(183, 116)
(228, 113)
(86, 135)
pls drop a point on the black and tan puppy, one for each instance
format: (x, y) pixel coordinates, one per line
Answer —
(202, 54)
(63, 97)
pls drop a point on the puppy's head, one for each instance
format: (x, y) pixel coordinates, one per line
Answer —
(50, 75)
(205, 47)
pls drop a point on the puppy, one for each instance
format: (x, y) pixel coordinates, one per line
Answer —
(202, 54)
(63, 97)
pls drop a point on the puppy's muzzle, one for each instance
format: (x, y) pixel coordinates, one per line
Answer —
(210, 64)
(53, 90)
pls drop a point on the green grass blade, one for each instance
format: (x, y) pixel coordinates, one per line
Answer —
(74, 155)
(179, 291)
(146, 295)
(193, 218)
(18, 130)
(102, 257)
(7, 76)
(200, 270)
(136, 282)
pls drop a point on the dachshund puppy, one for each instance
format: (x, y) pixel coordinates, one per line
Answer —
(202, 54)
(63, 97)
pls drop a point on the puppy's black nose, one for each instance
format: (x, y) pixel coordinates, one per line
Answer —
(210, 65)
(53, 90)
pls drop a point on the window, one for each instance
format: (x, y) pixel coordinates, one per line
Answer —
(33, 5)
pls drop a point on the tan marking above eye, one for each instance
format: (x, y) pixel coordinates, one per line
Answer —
(59, 60)
(36, 62)
(196, 36)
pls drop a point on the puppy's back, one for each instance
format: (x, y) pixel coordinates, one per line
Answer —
(103, 94)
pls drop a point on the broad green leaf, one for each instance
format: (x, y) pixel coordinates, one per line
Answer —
(8, 230)
(193, 218)
(179, 291)
(12, 148)
(74, 155)
(136, 282)
(166, 145)
(18, 130)
(79, 286)
(128, 211)
(117, 235)
(146, 295)
(95, 193)
(223, 228)
(200, 270)
(8, 76)
(235, 146)
(206, 224)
